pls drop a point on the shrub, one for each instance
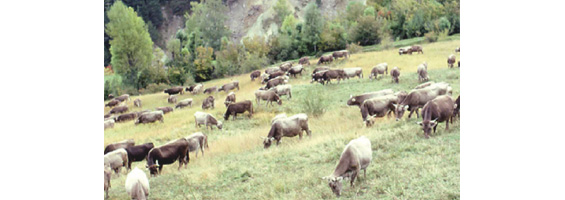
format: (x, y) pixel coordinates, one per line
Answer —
(154, 88)
(315, 103)
(253, 62)
(354, 48)
(431, 36)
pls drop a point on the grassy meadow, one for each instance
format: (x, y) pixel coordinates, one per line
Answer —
(405, 165)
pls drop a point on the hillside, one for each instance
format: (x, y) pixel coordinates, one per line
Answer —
(404, 166)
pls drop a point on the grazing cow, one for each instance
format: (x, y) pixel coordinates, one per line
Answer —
(285, 66)
(119, 109)
(208, 102)
(457, 49)
(164, 109)
(356, 156)
(318, 69)
(352, 72)
(229, 99)
(195, 141)
(435, 111)
(110, 96)
(377, 107)
(419, 97)
(304, 61)
(126, 117)
(416, 48)
(379, 69)
(172, 99)
(141, 112)
(229, 86)
(123, 97)
(423, 72)
(116, 159)
(264, 78)
(108, 123)
(196, 89)
(395, 73)
(339, 54)
(295, 70)
(268, 96)
(207, 119)
(450, 61)
(175, 90)
(404, 50)
(239, 107)
(120, 144)
(457, 108)
(150, 117)
(271, 70)
(138, 152)
(325, 59)
(283, 90)
(327, 76)
(318, 76)
(137, 102)
(167, 154)
(274, 75)
(137, 185)
(107, 177)
(112, 103)
(255, 74)
(184, 103)
(287, 127)
(276, 81)
(210, 90)
(358, 99)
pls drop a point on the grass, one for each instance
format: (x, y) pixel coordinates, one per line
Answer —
(404, 166)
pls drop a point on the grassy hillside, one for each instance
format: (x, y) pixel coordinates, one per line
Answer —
(404, 166)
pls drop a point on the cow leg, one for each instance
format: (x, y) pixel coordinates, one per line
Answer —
(417, 113)
(365, 172)
(410, 115)
(353, 176)
(160, 168)
(447, 123)
(129, 164)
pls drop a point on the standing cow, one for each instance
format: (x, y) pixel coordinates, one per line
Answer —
(119, 109)
(210, 90)
(116, 159)
(172, 99)
(283, 90)
(229, 86)
(197, 141)
(419, 97)
(423, 72)
(138, 152)
(165, 110)
(175, 90)
(295, 70)
(304, 61)
(137, 103)
(208, 102)
(377, 107)
(229, 99)
(352, 72)
(239, 107)
(255, 74)
(450, 61)
(395, 74)
(437, 110)
(207, 119)
(112, 103)
(150, 117)
(167, 154)
(109, 123)
(358, 99)
(339, 54)
(269, 96)
(325, 59)
(378, 69)
(118, 145)
(184, 103)
(287, 127)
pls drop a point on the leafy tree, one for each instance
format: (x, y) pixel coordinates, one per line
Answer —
(289, 24)
(203, 63)
(366, 31)
(281, 10)
(334, 36)
(131, 46)
(228, 59)
(256, 45)
(313, 26)
(354, 10)
(369, 11)
(207, 22)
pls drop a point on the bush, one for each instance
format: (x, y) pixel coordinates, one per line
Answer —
(315, 104)
(431, 36)
(154, 88)
(354, 48)
(253, 62)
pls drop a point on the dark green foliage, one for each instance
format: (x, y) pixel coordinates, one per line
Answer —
(207, 23)
(313, 26)
(333, 37)
(281, 10)
(366, 31)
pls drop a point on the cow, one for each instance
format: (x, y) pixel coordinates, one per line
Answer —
(137, 103)
(123, 97)
(395, 73)
(435, 111)
(269, 96)
(416, 48)
(287, 127)
(450, 61)
(141, 112)
(172, 99)
(283, 90)
(119, 109)
(184, 103)
(423, 72)
(107, 177)
(109, 123)
(318, 76)
(239, 107)
(195, 141)
(207, 119)
(196, 89)
(271, 70)
(229, 99)
(285, 66)
(419, 97)
(377, 107)
(379, 69)
(120, 144)
(138, 152)
(459, 64)
(352, 72)
(327, 76)
(264, 78)
(356, 156)
(167, 154)
(358, 99)
(456, 110)
(110, 96)
(112, 103)
(229, 86)
(274, 75)
(404, 50)
(164, 109)
(116, 159)
(295, 70)
(457, 49)
(339, 54)
(126, 117)
(137, 185)
(318, 69)
(210, 90)
(304, 60)
(175, 90)
(277, 81)
(150, 117)
(208, 102)
(442, 86)
(255, 74)
(325, 59)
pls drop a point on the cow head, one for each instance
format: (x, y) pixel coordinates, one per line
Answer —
(400, 110)
(219, 125)
(427, 126)
(335, 184)
(351, 100)
(153, 169)
(370, 120)
(267, 142)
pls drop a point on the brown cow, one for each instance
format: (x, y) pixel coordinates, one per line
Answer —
(175, 90)
(119, 109)
(123, 97)
(379, 69)
(271, 70)
(287, 127)
(318, 69)
(229, 86)
(208, 102)
(138, 152)
(210, 90)
(377, 107)
(164, 109)
(437, 110)
(120, 144)
(416, 48)
(137, 102)
(450, 61)
(295, 70)
(167, 154)
(150, 117)
(269, 96)
(327, 76)
(229, 99)
(418, 98)
(459, 63)
(457, 49)
(339, 54)
(395, 73)
(255, 74)
(126, 117)
(285, 66)
(325, 59)
(195, 141)
(457, 108)
(184, 103)
(239, 107)
(423, 72)
(358, 99)
(277, 81)
(112, 103)
(304, 60)
(172, 99)
(318, 76)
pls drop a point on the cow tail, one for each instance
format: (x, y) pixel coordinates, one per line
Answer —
(139, 191)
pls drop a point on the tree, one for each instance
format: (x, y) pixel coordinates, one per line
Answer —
(366, 31)
(289, 24)
(207, 22)
(131, 45)
(203, 63)
(313, 26)
(281, 10)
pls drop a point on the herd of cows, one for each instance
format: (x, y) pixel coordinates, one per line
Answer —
(434, 99)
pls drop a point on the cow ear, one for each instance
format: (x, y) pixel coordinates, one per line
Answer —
(419, 123)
